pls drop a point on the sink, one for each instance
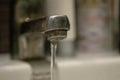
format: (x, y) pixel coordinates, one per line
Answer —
(99, 68)
(76, 68)
(13, 69)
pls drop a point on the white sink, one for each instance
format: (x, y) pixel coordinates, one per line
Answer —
(13, 69)
(101, 68)
(78, 68)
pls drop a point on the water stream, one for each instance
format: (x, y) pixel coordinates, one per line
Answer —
(53, 60)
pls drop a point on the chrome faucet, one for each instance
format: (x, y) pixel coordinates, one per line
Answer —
(53, 28)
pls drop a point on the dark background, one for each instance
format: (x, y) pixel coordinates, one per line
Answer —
(4, 25)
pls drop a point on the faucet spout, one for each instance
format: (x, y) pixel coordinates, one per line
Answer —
(53, 27)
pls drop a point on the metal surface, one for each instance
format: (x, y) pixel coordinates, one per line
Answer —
(57, 22)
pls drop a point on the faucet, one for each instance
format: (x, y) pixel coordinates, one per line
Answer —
(54, 28)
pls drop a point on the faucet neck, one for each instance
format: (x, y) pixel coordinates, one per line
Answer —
(33, 26)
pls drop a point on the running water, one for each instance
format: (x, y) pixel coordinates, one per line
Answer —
(53, 61)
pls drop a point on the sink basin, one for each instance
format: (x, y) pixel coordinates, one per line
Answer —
(101, 68)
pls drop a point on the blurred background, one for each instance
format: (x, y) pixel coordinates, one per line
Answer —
(94, 31)
(94, 23)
